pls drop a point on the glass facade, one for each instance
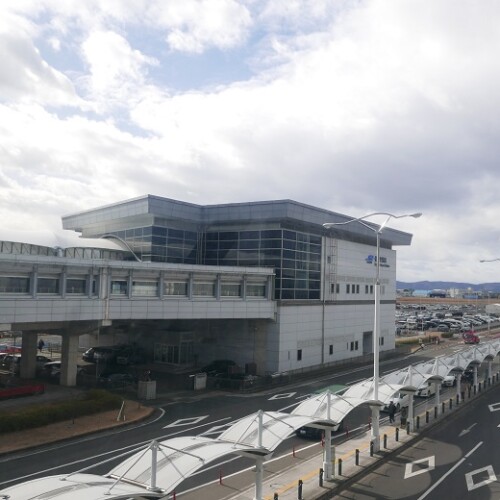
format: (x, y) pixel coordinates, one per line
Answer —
(161, 244)
(295, 256)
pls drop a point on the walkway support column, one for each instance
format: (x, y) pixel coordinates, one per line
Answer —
(259, 478)
(458, 378)
(438, 396)
(410, 410)
(327, 455)
(375, 434)
(69, 358)
(28, 358)
(475, 383)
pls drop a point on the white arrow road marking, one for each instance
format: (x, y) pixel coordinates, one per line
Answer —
(186, 421)
(466, 431)
(470, 481)
(304, 396)
(217, 429)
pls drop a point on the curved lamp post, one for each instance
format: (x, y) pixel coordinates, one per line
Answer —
(375, 433)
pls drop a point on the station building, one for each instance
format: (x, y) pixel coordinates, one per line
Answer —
(261, 283)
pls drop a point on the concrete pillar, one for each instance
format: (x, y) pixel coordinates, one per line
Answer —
(375, 434)
(459, 386)
(475, 377)
(259, 478)
(327, 455)
(28, 358)
(410, 410)
(69, 358)
(438, 396)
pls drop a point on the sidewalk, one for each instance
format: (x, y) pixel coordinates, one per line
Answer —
(352, 459)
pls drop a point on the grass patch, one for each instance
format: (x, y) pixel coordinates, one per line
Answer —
(93, 401)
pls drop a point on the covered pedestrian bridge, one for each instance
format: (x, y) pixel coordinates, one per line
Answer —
(161, 466)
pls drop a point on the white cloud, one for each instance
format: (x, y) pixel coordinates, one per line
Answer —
(196, 25)
(116, 70)
(353, 106)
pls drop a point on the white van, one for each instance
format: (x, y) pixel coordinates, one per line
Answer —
(426, 390)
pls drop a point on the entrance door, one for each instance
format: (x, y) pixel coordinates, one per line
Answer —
(367, 342)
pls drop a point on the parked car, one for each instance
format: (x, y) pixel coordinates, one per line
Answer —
(426, 390)
(52, 369)
(219, 368)
(315, 433)
(130, 355)
(399, 399)
(116, 380)
(100, 353)
(449, 381)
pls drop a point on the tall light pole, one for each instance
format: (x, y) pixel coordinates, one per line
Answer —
(482, 261)
(375, 432)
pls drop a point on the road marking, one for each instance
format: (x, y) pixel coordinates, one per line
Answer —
(283, 396)
(470, 481)
(431, 464)
(466, 431)
(439, 481)
(494, 407)
(186, 421)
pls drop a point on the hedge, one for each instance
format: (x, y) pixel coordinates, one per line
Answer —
(93, 401)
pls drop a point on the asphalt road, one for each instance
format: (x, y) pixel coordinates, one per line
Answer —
(457, 459)
(194, 415)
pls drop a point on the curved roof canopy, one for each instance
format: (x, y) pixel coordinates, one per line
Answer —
(169, 462)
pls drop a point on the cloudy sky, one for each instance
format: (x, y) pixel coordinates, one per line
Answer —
(349, 105)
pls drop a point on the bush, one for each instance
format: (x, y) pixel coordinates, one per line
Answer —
(94, 401)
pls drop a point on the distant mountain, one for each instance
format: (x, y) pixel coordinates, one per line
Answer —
(446, 285)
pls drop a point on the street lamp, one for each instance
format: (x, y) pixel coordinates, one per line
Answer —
(375, 433)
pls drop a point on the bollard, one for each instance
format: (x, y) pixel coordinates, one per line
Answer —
(385, 440)
(370, 424)
(475, 390)
(408, 427)
(357, 457)
(443, 406)
(371, 447)
(479, 386)
(346, 431)
(299, 490)
(220, 476)
(458, 400)
(173, 495)
(418, 422)
(321, 477)
(293, 452)
(427, 416)
(340, 466)
(397, 433)
(275, 497)
(451, 403)
(435, 412)
(469, 393)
